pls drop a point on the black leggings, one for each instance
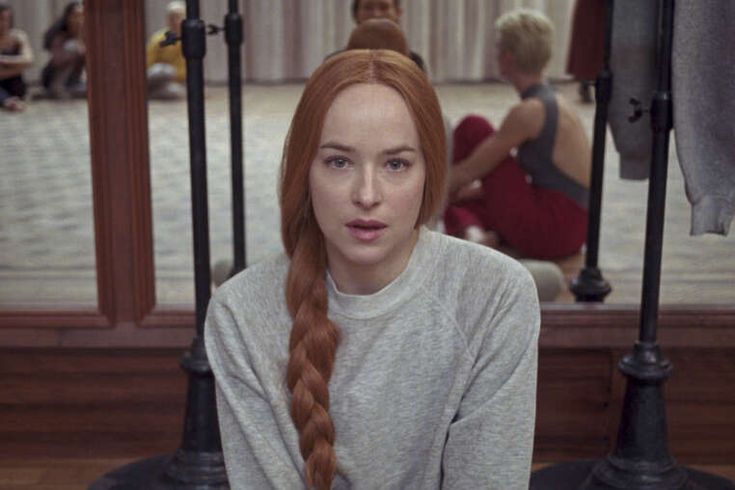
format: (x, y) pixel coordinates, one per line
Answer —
(12, 87)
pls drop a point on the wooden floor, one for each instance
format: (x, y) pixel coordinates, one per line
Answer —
(77, 474)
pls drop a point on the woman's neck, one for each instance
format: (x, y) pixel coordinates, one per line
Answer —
(365, 279)
(522, 81)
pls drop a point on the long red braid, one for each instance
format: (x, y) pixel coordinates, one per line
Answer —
(314, 338)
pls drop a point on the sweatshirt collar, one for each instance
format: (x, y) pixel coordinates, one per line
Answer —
(394, 293)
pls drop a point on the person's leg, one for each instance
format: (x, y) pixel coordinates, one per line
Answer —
(4, 92)
(468, 214)
(469, 133)
(15, 86)
(162, 82)
(9, 95)
(500, 188)
(561, 227)
(57, 83)
(169, 91)
(75, 85)
(544, 224)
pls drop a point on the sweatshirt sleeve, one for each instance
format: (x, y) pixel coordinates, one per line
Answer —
(254, 458)
(490, 440)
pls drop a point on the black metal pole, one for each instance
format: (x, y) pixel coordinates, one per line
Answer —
(198, 464)
(199, 461)
(589, 285)
(234, 39)
(641, 459)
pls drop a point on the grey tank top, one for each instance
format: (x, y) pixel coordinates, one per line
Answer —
(535, 156)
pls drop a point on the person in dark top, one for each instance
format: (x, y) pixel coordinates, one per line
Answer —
(15, 57)
(363, 10)
(62, 77)
(587, 44)
(536, 201)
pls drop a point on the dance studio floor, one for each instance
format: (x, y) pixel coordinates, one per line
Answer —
(46, 232)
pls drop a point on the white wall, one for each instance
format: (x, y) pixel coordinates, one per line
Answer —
(288, 39)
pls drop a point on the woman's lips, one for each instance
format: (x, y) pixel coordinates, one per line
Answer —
(366, 230)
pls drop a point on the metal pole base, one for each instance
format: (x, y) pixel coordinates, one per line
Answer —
(583, 475)
(179, 471)
(589, 286)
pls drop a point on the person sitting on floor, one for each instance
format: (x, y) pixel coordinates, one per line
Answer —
(166, 65)
(15, 57)
(383, 33)
(62, 77)
(365, 10)
(536, 201)
(378, 34)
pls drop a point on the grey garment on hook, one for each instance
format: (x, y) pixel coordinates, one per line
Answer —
(703, 79)
(633, 65)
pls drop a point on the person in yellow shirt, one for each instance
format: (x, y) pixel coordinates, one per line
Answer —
(166, 65)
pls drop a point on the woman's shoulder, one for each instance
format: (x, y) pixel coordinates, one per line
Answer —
(470, 264)
(264, 279)
(484, 290)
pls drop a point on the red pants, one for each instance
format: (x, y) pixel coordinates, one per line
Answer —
(536, 222)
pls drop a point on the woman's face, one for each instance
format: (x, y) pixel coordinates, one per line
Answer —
(367, 184)
(174, 19)
(6, 20)
(377, 9)
(75, 20)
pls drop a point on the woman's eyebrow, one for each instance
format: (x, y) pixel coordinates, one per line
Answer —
(336, 146)
(399, 149)
(331, 145)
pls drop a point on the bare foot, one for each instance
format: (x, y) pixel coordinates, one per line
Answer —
(473, 190)
(14, 104)
(476, 234)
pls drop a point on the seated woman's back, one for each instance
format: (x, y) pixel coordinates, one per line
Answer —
(571, 149)
(572, 152)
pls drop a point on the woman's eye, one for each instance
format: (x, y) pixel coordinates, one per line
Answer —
(397, 165)
(337, 162)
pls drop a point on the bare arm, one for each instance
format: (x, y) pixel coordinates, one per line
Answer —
(24, 58)
(520, 124)
(62, 53)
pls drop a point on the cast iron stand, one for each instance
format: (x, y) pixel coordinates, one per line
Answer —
(641, 458)
(198, 464)
(234, 39)
(589, 285)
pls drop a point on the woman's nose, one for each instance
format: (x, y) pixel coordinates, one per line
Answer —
(367, 190)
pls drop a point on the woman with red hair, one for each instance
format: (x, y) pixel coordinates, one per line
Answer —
(374, 353)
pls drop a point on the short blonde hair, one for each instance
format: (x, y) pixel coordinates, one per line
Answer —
(528, 35)
(176, 7)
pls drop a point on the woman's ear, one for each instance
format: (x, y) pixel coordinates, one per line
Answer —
(507, 58)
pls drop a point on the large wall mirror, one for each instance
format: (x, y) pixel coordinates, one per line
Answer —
(695, 270)
(47, 247)
(48, 192)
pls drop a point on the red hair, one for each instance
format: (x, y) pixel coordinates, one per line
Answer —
(314, 338)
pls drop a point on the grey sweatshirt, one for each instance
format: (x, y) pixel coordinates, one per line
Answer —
(434, 383)
(633, 64)
(703, 79)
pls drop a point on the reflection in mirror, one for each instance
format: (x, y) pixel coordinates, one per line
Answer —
(265, 123)
(47, 252)
(695, 270)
